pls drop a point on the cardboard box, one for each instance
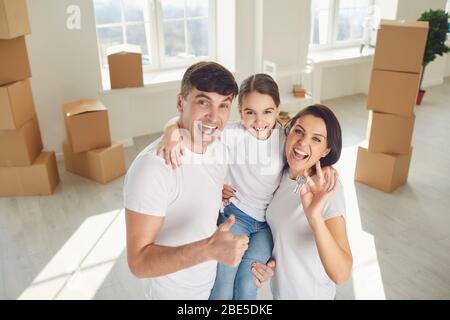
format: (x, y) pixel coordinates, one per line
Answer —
(101, 165)
(125, 66)
(13, 19)
(16, 105)
(393, 92)
(389, 133)
(20, 147)
(14, 64)
(87, 125)
(400, 45)
(385, 172)
(41, 178)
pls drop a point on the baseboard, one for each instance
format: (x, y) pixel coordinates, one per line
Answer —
(125, 142)
(432, 82)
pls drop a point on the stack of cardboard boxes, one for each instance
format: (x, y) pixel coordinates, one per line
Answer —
(383, 162)
(24, 168)
(88, 150)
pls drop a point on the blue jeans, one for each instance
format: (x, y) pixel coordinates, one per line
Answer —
(238, 283)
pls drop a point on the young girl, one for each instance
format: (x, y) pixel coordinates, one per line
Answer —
(255, 166)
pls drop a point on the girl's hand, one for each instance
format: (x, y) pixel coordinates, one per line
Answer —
(314, 199)
(227, 193)
(171, 146)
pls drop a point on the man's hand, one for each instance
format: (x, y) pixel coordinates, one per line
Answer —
(262, 272)
(227, 247)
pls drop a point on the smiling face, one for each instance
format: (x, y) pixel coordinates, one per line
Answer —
(204, 115)
(259, 114)
(306, 144)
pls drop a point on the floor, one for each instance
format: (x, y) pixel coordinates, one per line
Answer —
(71, 245)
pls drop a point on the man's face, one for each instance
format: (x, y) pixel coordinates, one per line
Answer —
(204, 115)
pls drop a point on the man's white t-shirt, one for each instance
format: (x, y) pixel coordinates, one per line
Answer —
(255, 167)
(189, 198)
(299, 273)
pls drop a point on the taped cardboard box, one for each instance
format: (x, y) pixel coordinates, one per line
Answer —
(400, 45)
(87, 125)
(14, 64)
(389, 133)
(20, 147)
(41, 178)
(14, 20)
(16, 105)
(102, 165)
(382, 171)
(125, 66)
(393, 92)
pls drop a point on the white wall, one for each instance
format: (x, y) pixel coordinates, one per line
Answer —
(63, 62)
(345, 80)
(286, 31)
(447, 64)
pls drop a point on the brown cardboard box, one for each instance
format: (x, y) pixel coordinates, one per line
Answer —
(41, 178)
(20, 147)
(400, 45)
(13, 19)
(14, 64)
(125, 66)
(87, 125)
(16, 105)
(393, 92)
(382, 171)
(389, 133)
(101, 165)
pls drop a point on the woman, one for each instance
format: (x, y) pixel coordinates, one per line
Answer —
(311, 248)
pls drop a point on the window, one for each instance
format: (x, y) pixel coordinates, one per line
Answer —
(338, 23)
(170, 33)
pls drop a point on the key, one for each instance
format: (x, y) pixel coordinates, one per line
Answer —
(300, 181)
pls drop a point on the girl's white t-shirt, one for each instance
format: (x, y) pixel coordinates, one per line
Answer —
(299, 273)
(255, 167)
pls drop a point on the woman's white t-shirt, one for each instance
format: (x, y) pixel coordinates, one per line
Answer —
(255, 167)
(299, 273)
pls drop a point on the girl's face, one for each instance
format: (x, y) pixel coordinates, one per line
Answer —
(306, 144)
(259, 114)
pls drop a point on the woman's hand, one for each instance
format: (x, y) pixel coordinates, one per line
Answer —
(262, 272)
(314, 199)
(171, 146)
(332, 174)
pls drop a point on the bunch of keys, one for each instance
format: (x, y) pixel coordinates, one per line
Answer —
(300, 181)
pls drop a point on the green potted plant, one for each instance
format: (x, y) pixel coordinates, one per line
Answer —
(437, 35)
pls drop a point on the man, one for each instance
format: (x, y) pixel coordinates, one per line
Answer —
(171, 215)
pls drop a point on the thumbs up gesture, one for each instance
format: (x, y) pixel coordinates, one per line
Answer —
(227, 247)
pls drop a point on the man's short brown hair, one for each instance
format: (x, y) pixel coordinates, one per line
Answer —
(208, 76)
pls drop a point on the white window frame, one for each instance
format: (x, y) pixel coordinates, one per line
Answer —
(154, 31)
(332, 43)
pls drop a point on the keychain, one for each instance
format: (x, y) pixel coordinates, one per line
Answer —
(300, 181)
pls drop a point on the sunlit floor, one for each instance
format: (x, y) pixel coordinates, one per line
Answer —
(71, 245)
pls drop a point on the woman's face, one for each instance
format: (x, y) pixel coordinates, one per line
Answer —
(306, 143)
(259, 114)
